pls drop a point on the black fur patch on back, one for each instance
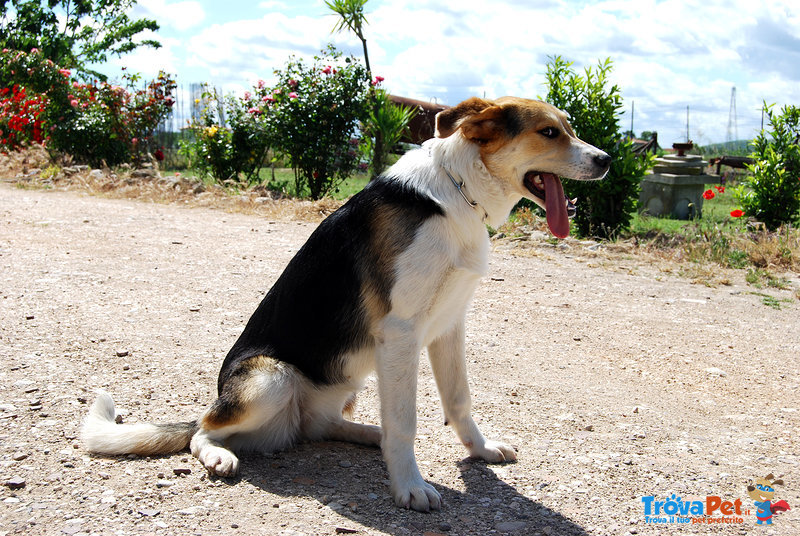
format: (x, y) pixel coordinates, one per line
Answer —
(317, 311)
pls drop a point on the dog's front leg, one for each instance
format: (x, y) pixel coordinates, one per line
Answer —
(448, 362)
(397, 356)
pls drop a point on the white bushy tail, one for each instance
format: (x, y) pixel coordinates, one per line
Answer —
(102, 435)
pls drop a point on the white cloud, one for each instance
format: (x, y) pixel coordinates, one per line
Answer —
(182, 15)
(667, 54)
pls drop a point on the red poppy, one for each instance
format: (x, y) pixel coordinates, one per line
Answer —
(737, 213)
(720, 189)
(708, 194)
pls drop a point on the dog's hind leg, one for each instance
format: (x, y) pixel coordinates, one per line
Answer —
(323, 418)
(450, 370)
(257, 410)
(353, 432)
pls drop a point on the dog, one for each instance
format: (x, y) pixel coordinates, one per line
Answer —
(389, 273)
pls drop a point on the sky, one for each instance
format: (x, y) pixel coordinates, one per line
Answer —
(667, 55)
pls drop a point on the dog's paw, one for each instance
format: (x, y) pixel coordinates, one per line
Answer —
(494, 452)
(219, 461)
(417, 495)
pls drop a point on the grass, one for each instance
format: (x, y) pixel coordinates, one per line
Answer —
(282, 180)
(718, 238)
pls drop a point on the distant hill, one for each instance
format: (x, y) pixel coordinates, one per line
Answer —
(734, 148)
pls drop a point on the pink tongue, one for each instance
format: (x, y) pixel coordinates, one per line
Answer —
(555, 206)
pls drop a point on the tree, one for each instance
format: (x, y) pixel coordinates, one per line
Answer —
(73, 33)
(353, 18)
(605, 207)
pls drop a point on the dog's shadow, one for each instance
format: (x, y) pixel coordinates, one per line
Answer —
(352, 481)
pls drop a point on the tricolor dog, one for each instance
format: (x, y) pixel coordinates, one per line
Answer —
(389, 273)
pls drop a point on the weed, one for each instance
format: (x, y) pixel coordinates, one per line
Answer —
(771, 301)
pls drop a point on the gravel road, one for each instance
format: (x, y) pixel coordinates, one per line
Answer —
(615, 379)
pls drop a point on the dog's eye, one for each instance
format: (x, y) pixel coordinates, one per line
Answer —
(549, 132)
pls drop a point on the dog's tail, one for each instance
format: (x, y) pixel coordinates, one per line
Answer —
(102, 435)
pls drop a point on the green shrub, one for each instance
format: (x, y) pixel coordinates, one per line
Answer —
(237, 150)
(315, 116)
(605, 207)
(771, 193)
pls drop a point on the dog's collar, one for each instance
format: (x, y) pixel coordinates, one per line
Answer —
(460, 188)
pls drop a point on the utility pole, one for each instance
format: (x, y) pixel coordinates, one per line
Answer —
(733, 127)
(687, 124)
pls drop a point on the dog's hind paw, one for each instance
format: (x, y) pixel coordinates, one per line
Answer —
(219, 461)
(419, 496)
(494, 452)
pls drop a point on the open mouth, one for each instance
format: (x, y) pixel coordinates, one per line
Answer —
(559, 209)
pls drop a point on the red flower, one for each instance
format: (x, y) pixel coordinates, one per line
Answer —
(737, 213)
(708, 194)
(720, 189)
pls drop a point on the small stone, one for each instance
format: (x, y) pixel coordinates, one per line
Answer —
(15, 482)
(303, 480)
(182, 471)
(118, 418)
(345, 530)
(444, 526)
(510, 526)
(104, 476)
(714, 371)
(149, 512)
(164, 483)
(192, 510)
(122, 353)
(345, 463)
(126, 366)
(19, 456)
(589, 428)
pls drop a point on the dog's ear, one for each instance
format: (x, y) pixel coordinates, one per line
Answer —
(450, 120)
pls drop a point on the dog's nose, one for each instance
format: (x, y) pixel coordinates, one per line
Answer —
(602, 160)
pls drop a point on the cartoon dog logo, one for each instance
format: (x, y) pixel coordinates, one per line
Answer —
(762, 491)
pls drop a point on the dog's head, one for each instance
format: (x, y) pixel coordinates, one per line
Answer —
(528, 145)
(763, 489)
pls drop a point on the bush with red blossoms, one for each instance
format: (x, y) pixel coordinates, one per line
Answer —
(20, 118)
(93, 123)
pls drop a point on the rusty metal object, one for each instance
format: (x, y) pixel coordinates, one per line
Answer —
(423, 124)
(736, 162)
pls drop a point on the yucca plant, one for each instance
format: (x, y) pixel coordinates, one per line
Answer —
(387, 124)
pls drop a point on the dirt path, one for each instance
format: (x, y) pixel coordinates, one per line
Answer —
(616, 381)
